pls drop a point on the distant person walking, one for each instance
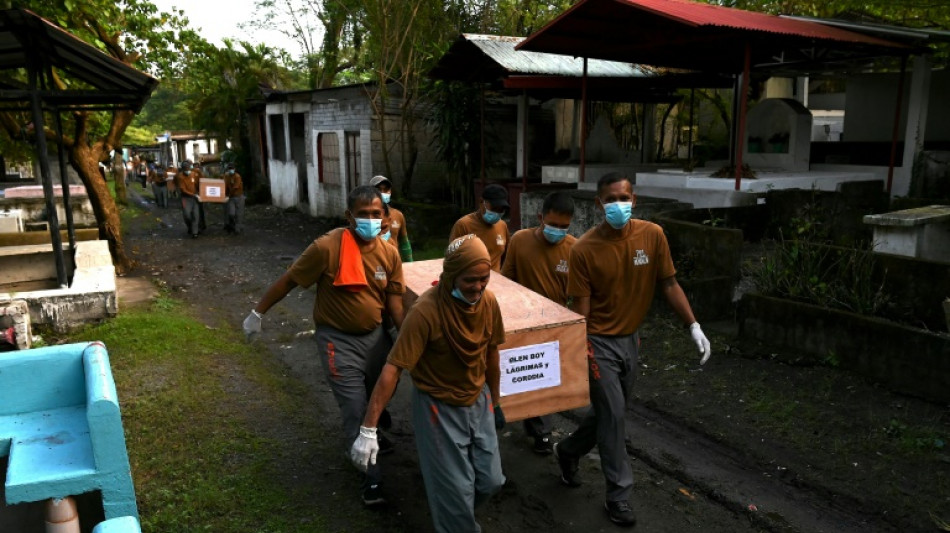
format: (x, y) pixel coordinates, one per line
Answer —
(234, 208)
(449, 345)
(187, 182)
(487, 224)
(156, 177)
(614, 270)
(201, 206)
(537, 258)
(141, 172)
(397, 221)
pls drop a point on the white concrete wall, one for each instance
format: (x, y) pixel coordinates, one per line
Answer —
(283, 183)
(342, 110)
(328, 199)
(778, 116)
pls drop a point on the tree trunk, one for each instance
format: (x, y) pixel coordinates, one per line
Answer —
(86, 163)
(666, 117)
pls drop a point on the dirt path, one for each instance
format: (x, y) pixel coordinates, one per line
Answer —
(685, 481)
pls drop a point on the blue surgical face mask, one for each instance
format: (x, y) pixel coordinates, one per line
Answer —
(368, 228)
(187, 172)
(386, 196)
(554, 235)
(458, 296)
(490, 217)
(386, 235)
(231, 171)
(618, 213)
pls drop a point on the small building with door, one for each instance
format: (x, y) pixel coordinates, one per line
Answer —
(322, 143)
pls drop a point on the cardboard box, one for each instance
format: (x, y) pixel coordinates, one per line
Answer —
(212, 190)
(544, 358)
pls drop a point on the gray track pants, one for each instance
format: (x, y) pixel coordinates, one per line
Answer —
(537, 426)
(234, 214)
(190, 212)
(161, 194)
(612, 367)
(459, 457)
(352, 364)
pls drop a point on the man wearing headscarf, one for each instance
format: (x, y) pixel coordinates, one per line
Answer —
(449, 344)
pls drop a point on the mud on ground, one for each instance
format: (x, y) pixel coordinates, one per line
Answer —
(749, 442)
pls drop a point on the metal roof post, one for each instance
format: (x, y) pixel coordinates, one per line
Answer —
(481, 132)
(689, 141)
(580, 177)
(897, 123)
(41, 149)
(743, 106)
(524, 144)
(521, 159)
(915, 129)
(64, 180)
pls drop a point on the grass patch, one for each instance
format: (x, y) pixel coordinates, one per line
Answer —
(196, 462)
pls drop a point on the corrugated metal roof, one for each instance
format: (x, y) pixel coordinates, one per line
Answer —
(26, 38)
(708, 15)
(501, 49)
(905, 34)
(702, 37)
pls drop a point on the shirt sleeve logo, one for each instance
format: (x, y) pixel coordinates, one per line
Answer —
(561, 266)
(641, 258)
(499, 240)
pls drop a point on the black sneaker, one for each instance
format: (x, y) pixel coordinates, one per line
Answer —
(373, 496)
(568, 466)
(620, 513)
(385, 445)
(543, 445)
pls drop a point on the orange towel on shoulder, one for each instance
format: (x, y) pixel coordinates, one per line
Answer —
(350, 274)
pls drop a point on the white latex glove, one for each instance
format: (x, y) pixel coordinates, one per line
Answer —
(705, 349)
(252, 325)
(364, 450)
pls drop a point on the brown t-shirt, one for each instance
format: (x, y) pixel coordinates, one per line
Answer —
(422, 350)
(156, 178)
(619, 275)
(233, 186)
(538, 265)
(350, 312)
(188, 185)
(495, 236)
(397, 225)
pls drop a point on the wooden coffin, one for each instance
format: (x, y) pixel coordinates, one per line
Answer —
(540, 335)
(212, 190)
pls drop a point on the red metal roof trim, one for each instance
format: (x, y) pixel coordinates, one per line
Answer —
(698, 14)
(702, 14)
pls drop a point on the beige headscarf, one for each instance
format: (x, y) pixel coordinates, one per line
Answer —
(465, 327)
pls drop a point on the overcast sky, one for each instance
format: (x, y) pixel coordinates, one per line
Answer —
(218, 20)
